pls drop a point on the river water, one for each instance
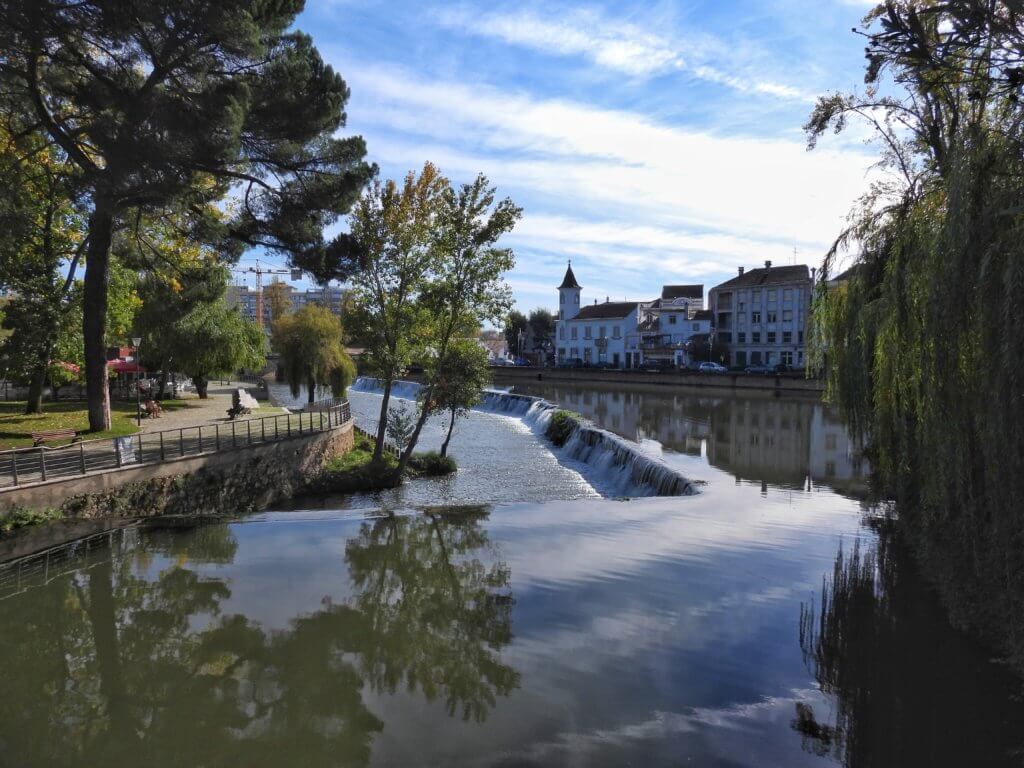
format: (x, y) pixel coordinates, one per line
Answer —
(517, 614)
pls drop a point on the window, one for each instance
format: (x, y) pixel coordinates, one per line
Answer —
(787, 294)
(773, 295)
(771, 337)
(787, 337)
(696, 326)
(562, 297)
(787, 315)
(757, 296)
(600, 332)
(742, 306)
(586, 354)
(787, 358)
(575, 353)
(755, 317)
(755, 337)
(773, 317)
(561, 332)
(725, 338)
(615, 332)
(741, 338)
(800, 337)
(561, 353)
(586, 332)
(577, 299)
(574, 334)
(672, 319)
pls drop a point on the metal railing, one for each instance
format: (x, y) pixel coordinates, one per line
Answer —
(21, 466)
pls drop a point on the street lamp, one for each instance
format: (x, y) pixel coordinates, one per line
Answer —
(136, 341)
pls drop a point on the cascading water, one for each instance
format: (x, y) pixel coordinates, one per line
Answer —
(614, 465)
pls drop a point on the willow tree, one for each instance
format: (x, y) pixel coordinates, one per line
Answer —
(920, 339)
(310, 342)
(168, 103)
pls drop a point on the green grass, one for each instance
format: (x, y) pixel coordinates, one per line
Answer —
(22, 517)
(431, 464)
(16, 427)
(561, 426)
(355, 471)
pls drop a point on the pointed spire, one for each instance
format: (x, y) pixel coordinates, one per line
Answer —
(569, 281)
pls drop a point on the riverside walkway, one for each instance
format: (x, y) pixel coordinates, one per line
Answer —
(189, 431)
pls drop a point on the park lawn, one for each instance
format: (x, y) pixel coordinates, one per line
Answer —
(16, 427)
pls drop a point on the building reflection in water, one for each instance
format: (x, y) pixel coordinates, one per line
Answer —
(785, 442)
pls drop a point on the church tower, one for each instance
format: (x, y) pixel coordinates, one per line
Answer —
(569, 296)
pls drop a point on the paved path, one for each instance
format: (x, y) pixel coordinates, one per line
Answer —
(209, 411)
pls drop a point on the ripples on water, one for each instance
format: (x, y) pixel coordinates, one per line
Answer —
(758, 623)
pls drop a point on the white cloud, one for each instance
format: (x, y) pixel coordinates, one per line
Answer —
(611, 44)
(631, 198)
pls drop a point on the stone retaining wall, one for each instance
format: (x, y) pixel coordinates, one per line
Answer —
(227, 482)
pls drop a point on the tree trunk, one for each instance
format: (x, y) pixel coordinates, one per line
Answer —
(201, 385)
(448, 439)
(102, 618)
(311, 385)
(163, 384)
(403, 460)
(94, 316)
(382, 423)
(35, 391)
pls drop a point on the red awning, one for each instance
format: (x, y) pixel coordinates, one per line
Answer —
(125, 366)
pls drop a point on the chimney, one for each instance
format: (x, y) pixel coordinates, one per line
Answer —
(768, 265)
(741, 271)
(607, 299)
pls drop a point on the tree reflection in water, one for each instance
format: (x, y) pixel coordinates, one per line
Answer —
(908, 689)
(114, 668)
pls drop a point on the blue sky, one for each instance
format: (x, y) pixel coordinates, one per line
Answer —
(649, 142)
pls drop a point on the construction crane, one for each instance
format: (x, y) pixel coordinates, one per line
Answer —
(260, 271)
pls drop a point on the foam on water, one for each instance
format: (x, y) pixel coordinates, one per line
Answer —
(617, 466)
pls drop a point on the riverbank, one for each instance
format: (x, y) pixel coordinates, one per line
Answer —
(785, 384)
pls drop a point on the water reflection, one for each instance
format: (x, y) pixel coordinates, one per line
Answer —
(907, 690)
(134, 660)
(785, 442)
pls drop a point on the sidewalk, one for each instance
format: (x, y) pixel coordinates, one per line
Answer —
(214, 409)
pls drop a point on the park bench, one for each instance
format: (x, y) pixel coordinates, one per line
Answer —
(49, 436)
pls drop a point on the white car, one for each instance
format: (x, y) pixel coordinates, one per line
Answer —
(712, 368)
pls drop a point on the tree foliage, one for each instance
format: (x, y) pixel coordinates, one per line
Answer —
(920, 341)
(160, 103)
(215, 339)
(516, 324)
(461, 379)
(310, 342)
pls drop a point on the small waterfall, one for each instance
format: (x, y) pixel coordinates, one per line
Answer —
(403, 390)
(619, 465)
(623, 468)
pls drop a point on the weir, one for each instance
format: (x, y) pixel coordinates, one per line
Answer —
(617, 465)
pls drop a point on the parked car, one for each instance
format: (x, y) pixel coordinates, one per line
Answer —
(499, 362)
(782, 368)
(712, 368)
(573, 362)
(761, 370)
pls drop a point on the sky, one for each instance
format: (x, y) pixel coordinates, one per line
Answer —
(649, 142)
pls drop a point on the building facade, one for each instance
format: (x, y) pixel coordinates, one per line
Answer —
(245, 298)
(626, 334)
(760, 317)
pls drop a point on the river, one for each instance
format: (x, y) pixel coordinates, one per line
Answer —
(522, 612)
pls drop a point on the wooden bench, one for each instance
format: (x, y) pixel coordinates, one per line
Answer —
(38, 438)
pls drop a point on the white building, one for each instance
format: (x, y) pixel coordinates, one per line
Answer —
(625, 334)
(760, 316)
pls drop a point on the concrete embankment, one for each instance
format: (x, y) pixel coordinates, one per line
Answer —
(788, 385)
(223, 482)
